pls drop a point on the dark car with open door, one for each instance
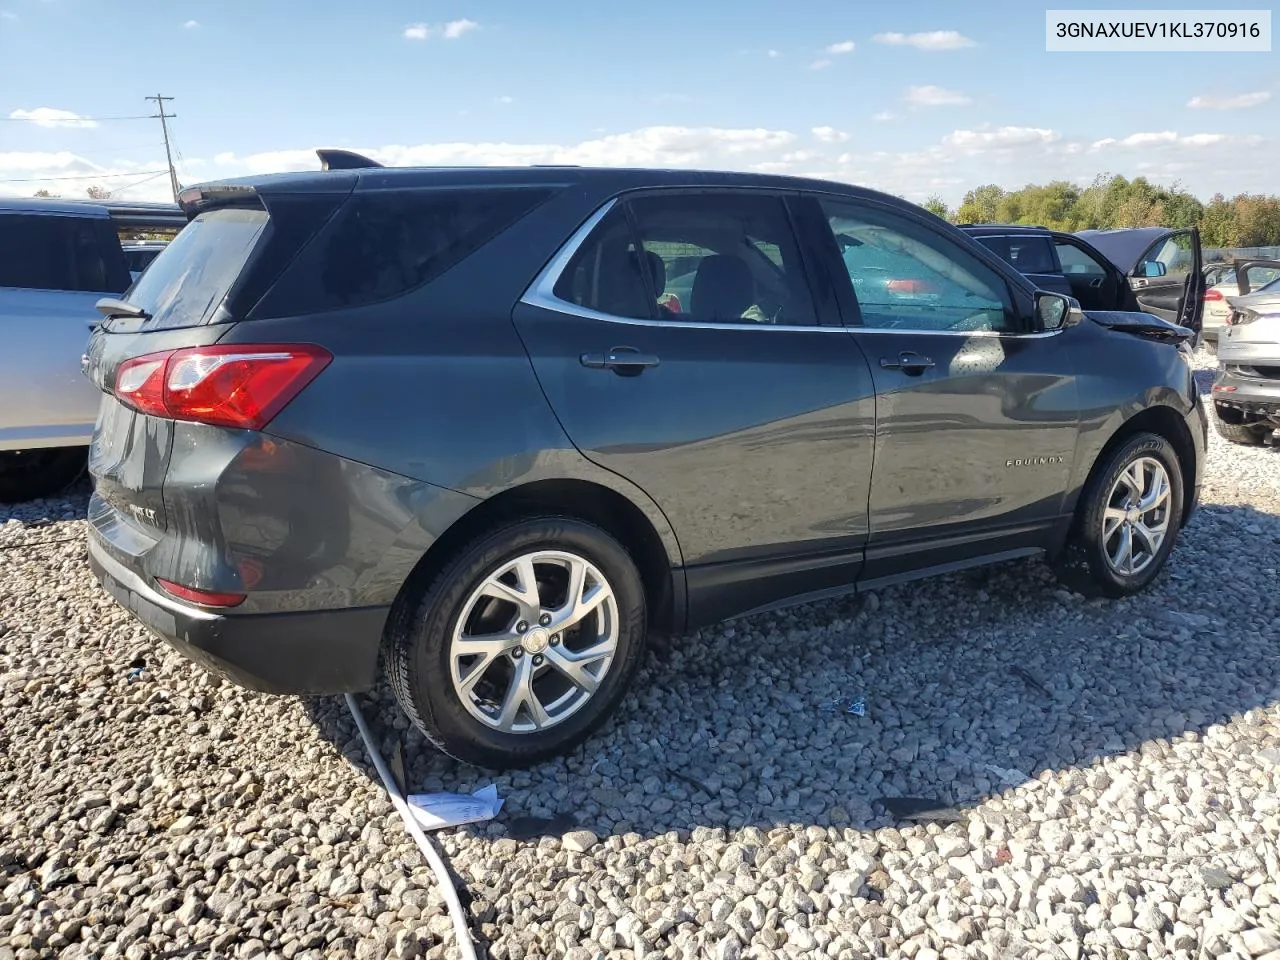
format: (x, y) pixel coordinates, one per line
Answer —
(1163, 268)
(1149, 269)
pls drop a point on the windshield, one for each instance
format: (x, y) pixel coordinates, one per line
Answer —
(188, 281)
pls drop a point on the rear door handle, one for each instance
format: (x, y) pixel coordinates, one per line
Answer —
(907, 362)
(626, 361)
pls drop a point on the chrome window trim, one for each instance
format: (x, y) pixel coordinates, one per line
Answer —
(541, 293)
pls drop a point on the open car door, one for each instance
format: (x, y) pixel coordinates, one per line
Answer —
(1168, 279)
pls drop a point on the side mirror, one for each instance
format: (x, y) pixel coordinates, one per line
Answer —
(1054, 311)
(1152, 268)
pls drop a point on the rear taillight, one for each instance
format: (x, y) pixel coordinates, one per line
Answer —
(229, 385)
(206, 598)
(1212, 294)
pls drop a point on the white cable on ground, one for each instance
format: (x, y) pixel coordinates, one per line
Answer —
(461, 931)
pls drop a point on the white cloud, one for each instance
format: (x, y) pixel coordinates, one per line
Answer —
(930, 95)
(446, 31)
(8, 15)
(929, 40)
(830, 135)
(52, 117)
(884, 116)
(844, 46)
(456, 28)
(819, 64)
(1000, 138)
(774, 54)
(1205, 161)
(192, 25)
(1239, 101)
(504, 100)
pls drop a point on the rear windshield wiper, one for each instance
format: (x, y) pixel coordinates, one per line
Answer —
(111, 307)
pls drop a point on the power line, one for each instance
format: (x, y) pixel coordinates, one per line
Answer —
(138, 183)
(164, 126)
(85, 176)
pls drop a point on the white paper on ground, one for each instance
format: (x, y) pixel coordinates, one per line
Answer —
(434, 811)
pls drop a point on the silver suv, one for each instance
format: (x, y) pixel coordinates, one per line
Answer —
(57, 259)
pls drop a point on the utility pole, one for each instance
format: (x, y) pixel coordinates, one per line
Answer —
(164, 126)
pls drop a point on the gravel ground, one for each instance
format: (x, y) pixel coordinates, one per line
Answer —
(1112, 771)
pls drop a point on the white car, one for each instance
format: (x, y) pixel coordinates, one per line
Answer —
(57, 259)
(1232, 280)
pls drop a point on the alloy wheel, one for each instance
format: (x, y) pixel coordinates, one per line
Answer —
(534, 641)
(1136, 519)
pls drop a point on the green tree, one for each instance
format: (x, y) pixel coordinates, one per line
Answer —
(938, 207)
(980, 205)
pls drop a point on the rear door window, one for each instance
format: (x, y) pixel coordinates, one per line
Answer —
(719, 257)
(1077, 263)
(1028, 254)
(188, 282)
(44, 252)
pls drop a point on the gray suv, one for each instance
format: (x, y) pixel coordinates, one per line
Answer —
(57, 259)
(490, 429)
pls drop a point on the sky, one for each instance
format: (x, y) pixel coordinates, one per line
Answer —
(920, 99)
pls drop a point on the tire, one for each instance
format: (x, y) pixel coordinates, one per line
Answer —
(30, 474)
(1088, 564)
(1242, 433)
(457, 700)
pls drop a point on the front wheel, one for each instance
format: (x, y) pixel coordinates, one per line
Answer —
(1127, 519)
(523, 645)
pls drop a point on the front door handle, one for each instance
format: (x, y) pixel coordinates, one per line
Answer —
(625, 361)
(908, 362)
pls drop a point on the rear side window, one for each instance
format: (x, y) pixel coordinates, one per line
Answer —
(382, 244)
(1028, 254)
(43, 252)
(189, 280)
(1075, 262)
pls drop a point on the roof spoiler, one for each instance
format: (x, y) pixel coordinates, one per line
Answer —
(333, 159)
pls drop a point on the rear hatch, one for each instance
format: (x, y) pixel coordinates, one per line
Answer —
(183, 302)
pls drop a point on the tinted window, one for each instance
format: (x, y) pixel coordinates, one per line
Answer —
(908, 276)
(1259, 276)
(188, 281)
(58, 253)
(382, 244)
(1075, 262)
(604, 274)
(1028, 254)
(704, 258)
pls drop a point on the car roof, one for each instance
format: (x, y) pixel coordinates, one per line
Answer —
(1002, 229)
(1124, 245)
(602, 179)
(46, 206)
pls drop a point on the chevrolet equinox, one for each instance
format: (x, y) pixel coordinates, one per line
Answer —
(487, 430)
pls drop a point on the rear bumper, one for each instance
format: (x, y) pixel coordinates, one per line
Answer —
(1248, 393)
(312, 652)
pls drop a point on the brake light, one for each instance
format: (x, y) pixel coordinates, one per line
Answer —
(1212, 294)
(206, 598)
(227, 385)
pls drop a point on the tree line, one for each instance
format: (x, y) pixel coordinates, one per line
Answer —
(1245, 220)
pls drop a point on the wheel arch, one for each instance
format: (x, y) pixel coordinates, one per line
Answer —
(650, 546)
(1166, 422)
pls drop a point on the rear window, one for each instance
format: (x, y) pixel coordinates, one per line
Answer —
(1028, 254)
(382, 244)
(44, 252)
(186, 284)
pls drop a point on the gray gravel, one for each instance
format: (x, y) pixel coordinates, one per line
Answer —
(1118, 794)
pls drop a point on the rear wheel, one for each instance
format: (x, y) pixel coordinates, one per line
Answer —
(28, 474)
(1231, 426)
(1127, 520)
(523, 645)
